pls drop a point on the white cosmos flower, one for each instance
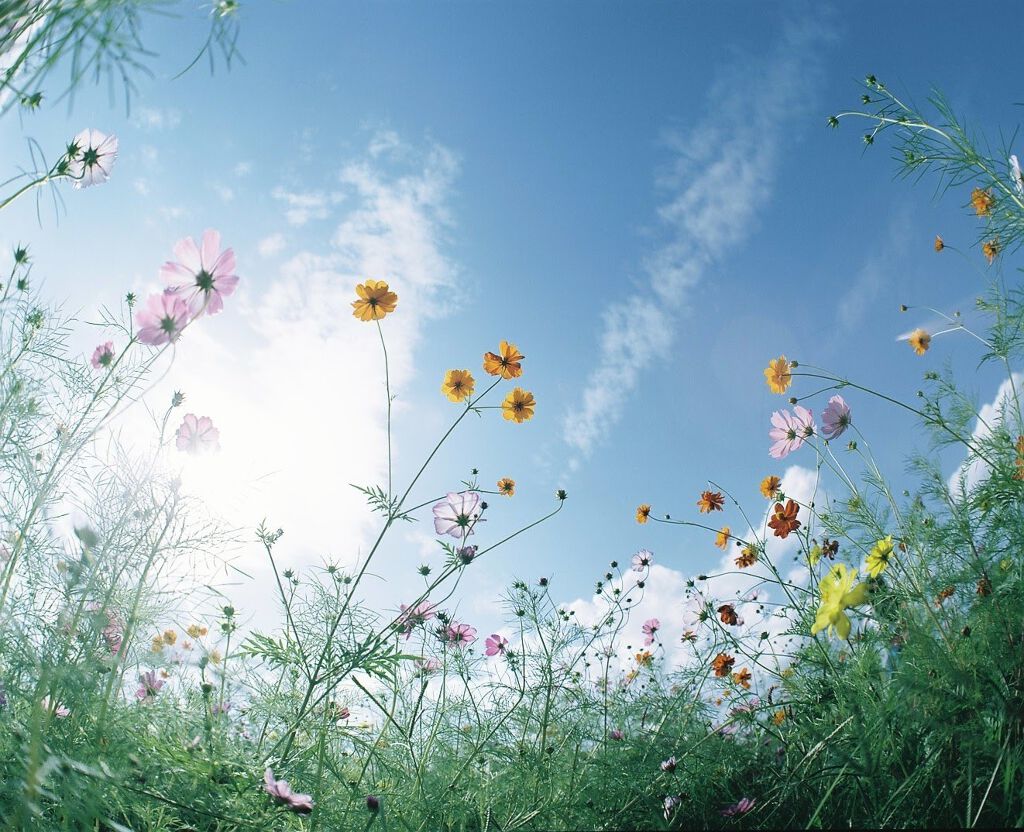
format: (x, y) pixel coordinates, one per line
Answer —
(94, 160)
(1018, 182)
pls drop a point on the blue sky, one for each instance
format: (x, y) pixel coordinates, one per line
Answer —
(643, 196)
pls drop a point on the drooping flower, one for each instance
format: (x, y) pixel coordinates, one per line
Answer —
(427, 667)
(375, 301)
(747, 556)
(669, 765)
(741, 807)
(411, 617)
(722, 538)
(790, 430)
(670, 804)
(373, 803)
(162, 319)
(770, 487)
(643, 512)
(742, 678)
(507, 486)
(1015, 175)
(649, 628)
(282, 792)
(919, 341)
(727, 614)
(495, 644)
(103, 356)
(518, 406)
(982, 201)
(710, 501)
(93, 158)
(880, 555)
(149, 686)
(197, 435)
(778, 374)
(202, 275)
(939, 244)
(990, 248)
(458, 385)
(466, 554)
(784, 520)
(836, 418)
(460, 635)
(457, 514)
(507, 362)
(838, 592)
(642, 560)
(722, 664)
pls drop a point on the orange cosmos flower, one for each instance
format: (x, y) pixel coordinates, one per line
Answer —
(982, 202)
(710, 501)
(507, 364)
(722, 538)
(727, 613)
(722, 664)
(458, 385)
(507, 486)
(518, 405)
(778, 375)
(779, 717)
(375, 301)
(990, 249)
(939, 245)
(784, 519)
(642, 513)
(742, 678)
(919, 341)
(748, 557)
(643, 658)
(770, 487)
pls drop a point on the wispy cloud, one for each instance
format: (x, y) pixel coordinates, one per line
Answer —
(153, 118)
(722, 175)
(271, 245)
(303, 206)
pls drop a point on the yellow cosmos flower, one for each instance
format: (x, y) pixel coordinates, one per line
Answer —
(778, 375)
(779, 717)
(990, 248)
(170, 636)
(837, 594)
(939, 244)
(643, 512)
(771, 487)
(507, 362)
(748, 556)
(879, 556)
(216, 657)
(982, 202)
(196, 630)
(722, 538)
(375, 301)
(458, 385)
(507, 486)
(518, 405)
(919, 341)
(643, 658)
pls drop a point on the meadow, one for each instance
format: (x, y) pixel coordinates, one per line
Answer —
(882, 688)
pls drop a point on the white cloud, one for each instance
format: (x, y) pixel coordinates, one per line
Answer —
(271, 245)
(303, 206)
(225, 193)
(722, 176)
(878, 271)
(152, 118)
(141, 186)
(243, 168)
(990, 415)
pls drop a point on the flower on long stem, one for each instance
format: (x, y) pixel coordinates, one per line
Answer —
(650, 628)
(919, 341)
(457, 514)
(836, 418)
(710, 501)
(374, 302)
(838, 593)
(91, 157)
(282, 792)
(879, 556)
(518, 405)
(103, 356)
(507, 362)
(458, 385)
(790, 430)
(642, 560)
(643, 513)
(202, 275)
(778, 374)
(197, 435)
(783, 520)
(162, 319)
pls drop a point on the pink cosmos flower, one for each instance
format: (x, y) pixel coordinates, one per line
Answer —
(162, 319)
(412, 617)
(669, 765)
(642, 560)
(197, 435)
(427, 667)
(495, 644)
(203, 274)
(461, 635)
(93, 158)
(283, 794)
(149, 686)
(457, 513)
(744, 805)
(789, 430)
(650, 627)
(103, 355)
(836, 418)
(113, 633)
(616, 734)
(59, 709)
